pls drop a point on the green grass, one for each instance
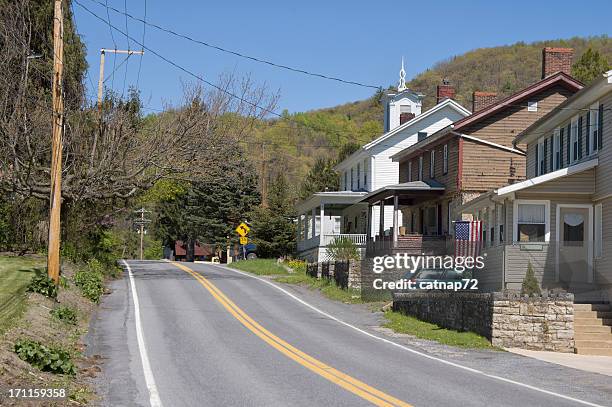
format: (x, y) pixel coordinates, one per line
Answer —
(261, 267)
(406, 324)
(15, 275)
(327, 287)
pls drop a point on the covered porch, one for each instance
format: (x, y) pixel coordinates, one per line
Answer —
(327, 216)
(418, 233)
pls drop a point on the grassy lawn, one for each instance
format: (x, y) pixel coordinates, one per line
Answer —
(410, 325)
(261, 267)
(15, 274)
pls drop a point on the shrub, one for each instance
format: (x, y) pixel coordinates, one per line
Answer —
(342, 249)
(90, 280)
(65, 314)
(530, 283)
(48, 359)
(42, 284)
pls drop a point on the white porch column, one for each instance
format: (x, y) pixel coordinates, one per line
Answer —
(381, 219)
(395, 217)
(369, 222)
(313, 225)
(322, 222)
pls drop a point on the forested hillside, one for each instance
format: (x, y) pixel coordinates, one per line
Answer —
(292, 148)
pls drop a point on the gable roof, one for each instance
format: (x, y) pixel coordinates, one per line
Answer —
(446, 102)
(567, 109)
(559, 78)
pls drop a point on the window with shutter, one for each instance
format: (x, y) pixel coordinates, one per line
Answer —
(568, 136)
(579, 137)
(600, 126)
(561, 148)
(556, 150)
(537, 159)
(587, 131)
(544, 155)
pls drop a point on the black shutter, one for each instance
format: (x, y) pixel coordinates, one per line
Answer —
(537, 161)
(552, 153)
(544, 156)
(561, 148)
(579, 137)
(588, 135)
(600, 127)
(568, 133)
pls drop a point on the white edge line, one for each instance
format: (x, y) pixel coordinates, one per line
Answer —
(154, 399)
(446, 362)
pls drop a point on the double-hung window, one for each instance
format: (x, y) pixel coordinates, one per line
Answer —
(557, 150)
(432, 164)
(593, 128)
(421, 168)
(358, 176)
(365, 174)
(574, 140)
(346, 186)
(531, 221)
(352, 180)
(445, 160)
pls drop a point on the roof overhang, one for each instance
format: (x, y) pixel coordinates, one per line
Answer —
(339, 198)
(564, 172)
(414, 189)
(567, 109)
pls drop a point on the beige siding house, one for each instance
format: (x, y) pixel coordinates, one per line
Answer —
(559, 219)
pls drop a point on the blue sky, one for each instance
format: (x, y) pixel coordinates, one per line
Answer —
(361, 41)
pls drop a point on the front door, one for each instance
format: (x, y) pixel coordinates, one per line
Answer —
(574, 227)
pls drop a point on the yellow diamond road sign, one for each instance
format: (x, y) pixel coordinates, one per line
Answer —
(244, 240)
(243, 229)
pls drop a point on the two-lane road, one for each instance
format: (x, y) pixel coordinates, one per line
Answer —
(203, 335)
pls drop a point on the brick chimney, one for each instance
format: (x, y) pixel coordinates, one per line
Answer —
(446, 90)
(480, 100)
(405, 117)
(556, 60)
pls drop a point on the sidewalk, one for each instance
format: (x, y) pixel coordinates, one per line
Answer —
(589, 363)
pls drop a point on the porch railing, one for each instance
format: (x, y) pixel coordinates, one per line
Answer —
(357, 238)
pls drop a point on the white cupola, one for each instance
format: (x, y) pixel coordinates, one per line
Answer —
(403, 105)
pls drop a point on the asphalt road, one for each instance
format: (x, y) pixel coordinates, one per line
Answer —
(216, 337)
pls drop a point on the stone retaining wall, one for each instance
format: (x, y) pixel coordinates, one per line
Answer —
(507, 319)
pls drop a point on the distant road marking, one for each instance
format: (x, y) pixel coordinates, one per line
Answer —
(343, 380)
(416, 352)
(154, 399)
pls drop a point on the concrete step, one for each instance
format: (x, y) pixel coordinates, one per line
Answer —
(592, 329)
(592, 307)
(593, 336)
(587, 321)
(590, 343)
(585, 314)
(594, 351)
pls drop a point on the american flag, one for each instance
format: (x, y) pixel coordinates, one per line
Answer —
(468, 238)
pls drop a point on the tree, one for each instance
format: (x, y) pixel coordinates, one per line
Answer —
(273, 229)
(347, 149)
(208, 210)
(590, 66)
(530, 283)
(321, 177)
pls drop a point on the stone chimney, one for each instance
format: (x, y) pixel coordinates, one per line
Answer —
(405, 117)
(480, 100)
(446, 90)
(556, 60)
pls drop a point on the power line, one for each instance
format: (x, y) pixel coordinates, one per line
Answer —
(236, 53)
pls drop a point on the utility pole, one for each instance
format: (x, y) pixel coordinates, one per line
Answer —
(141, 222)
(101, 80)
(53, 255)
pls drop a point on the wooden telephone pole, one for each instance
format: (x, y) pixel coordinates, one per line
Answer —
(53, 252)
(141, 222)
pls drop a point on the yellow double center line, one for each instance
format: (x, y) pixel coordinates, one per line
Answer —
(343, 380)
